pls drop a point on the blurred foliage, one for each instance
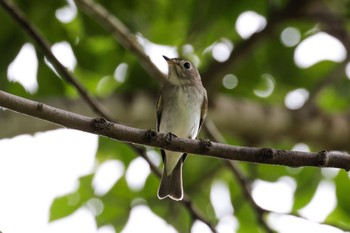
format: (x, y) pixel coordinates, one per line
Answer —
(200, 24)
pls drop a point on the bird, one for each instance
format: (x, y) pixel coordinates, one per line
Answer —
(181, 110)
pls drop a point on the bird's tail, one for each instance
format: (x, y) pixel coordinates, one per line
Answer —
(171, 185)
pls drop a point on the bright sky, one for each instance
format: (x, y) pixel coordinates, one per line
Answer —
(35, 169)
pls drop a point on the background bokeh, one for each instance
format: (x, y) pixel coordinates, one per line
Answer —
(277, 75)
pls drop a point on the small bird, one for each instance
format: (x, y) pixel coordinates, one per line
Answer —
(181, 110)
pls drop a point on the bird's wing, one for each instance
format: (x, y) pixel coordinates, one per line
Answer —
(159, 111)
(204, 109)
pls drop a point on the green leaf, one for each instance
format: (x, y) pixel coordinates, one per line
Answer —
(48, 82)
(106, 86)
(247, 219)
(307, 182)
(149, 191)
(342, 184)
(173, 213)
(198, 171)
(98, 55)
(68, 204)
(15, 87)
(64, 206)
(202, 202)
(88, 78)
(269, 172)
(111, 149)
(341, 214)
(117, 205)
(242, 209)
(332, 101)
(339, 218)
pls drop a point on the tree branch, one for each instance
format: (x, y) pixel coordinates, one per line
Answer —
(124, 133)
(243, 182)
(245, 185)
(195, 214)
(45, 46)
(246, 189)
(123, 35)
(244, 119)
(328, 132)
(186, 201)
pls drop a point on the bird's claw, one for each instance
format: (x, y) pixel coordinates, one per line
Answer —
(206, 145)
(169, 137)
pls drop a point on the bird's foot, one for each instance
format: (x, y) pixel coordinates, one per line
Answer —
(206, 145)
(169, 137)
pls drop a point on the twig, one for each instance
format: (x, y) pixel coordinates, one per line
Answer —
(121, 33)
(244, 183)
(45, 46)
(187, 202)
(124, 133)
(195, 214)
(126, 39)
(156, 75)
(142, 152)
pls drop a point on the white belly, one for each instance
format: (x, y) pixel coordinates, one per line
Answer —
(180, 116)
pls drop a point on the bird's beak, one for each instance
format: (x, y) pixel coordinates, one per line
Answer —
(170, 62)
(166, 58)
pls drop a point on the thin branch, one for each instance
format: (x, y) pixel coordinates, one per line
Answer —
(244, 119)
(293, 9)
(245, 185)
(142, 152)
(195, 214)
(187, 202)
(214, 134)
(128, 41)
(45, 46)
(124, 133)
(113, 25)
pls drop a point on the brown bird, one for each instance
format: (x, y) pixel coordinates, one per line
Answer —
(181, 110)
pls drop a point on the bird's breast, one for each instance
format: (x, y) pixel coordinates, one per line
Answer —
(181, 112)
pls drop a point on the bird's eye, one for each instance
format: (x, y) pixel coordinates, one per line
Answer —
(187, 65)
